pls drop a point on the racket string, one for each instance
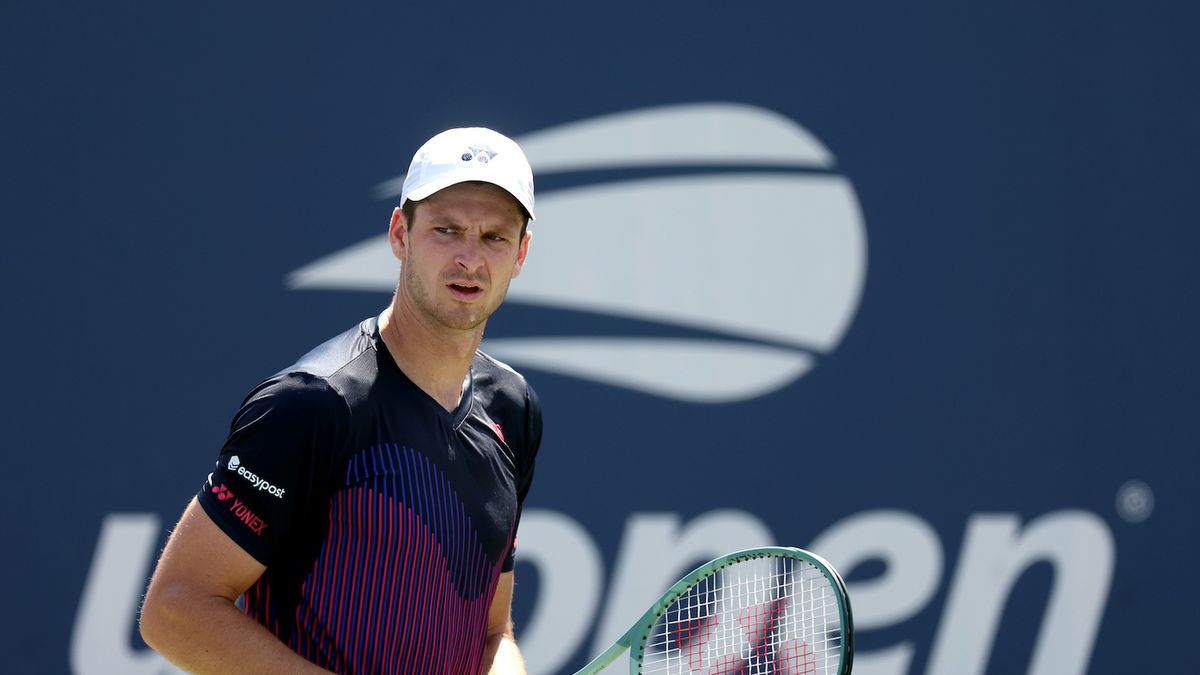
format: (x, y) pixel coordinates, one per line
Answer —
(755, 616)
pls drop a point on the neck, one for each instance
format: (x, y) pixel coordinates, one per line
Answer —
(437, 361)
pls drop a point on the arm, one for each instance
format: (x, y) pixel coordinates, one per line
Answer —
(502, 656)
(189, 616)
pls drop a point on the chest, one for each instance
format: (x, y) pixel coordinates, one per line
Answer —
(428, 484)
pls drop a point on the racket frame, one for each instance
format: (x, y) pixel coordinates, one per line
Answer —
(634, 639)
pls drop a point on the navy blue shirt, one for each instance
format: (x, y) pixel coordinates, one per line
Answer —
(383, 519)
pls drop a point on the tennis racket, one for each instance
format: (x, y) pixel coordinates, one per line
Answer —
(762, 610)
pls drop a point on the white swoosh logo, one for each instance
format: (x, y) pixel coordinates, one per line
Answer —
(774, 260)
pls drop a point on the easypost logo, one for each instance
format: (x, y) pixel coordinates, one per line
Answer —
(725, 224)
(259, 483)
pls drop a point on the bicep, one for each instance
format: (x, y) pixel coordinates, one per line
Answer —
(200, 560)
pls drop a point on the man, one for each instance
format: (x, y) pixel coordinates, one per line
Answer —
(365, 504)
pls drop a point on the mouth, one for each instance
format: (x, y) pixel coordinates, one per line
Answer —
(465, 292)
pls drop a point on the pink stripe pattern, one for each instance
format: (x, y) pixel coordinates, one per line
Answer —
(402, 583)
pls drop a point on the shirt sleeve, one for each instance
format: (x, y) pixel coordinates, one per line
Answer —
(274, 467)
(526, 455)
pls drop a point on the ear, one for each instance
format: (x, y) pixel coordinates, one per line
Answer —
(398, 234)
(521, 253)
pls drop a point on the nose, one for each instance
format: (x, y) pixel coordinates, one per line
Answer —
(469, 256)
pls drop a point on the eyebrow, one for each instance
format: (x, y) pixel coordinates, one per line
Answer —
(446, 220)
(439, 217)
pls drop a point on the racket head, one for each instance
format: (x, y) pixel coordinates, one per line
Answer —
(772, 609)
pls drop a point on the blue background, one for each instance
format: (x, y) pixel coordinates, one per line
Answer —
(1026, 340)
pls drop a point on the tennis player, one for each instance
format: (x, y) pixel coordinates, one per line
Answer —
(363, 511)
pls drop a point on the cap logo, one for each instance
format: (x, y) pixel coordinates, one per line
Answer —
(483, 155)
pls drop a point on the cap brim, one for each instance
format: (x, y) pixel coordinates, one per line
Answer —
(466, 176)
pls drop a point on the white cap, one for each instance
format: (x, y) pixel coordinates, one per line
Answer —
(460, 155)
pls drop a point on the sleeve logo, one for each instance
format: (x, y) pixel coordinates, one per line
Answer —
(240, 510)
(259, 483)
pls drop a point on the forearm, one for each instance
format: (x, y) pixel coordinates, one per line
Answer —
(211, 635)
(502, 656)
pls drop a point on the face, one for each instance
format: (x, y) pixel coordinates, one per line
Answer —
(459, 253)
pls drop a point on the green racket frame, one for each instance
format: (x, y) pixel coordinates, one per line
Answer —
(634, 639)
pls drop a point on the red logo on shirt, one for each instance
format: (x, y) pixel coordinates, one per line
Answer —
(499, 431)
(239, 509)
(244, 514)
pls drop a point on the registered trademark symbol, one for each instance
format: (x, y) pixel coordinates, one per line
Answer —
(1135, 501)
